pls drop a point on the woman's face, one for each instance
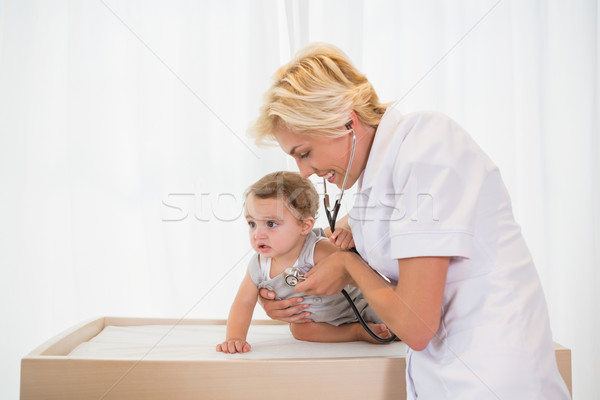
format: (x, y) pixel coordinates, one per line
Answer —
(325, 156)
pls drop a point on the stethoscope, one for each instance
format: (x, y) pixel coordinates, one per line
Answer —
(293, 275)
(332, 215)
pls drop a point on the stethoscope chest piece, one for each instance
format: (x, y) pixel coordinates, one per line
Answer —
(293, 275)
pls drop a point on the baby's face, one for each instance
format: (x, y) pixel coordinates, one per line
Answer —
(273, 230)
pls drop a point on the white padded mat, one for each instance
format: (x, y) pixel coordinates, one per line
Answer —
(198, 342)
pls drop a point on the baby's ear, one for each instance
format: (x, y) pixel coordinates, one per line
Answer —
(307, 224)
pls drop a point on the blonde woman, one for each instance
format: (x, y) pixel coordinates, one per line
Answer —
(433, 216)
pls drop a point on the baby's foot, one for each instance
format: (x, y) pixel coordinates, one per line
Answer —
(379, 329)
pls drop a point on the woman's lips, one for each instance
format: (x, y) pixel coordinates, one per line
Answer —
(330, 176)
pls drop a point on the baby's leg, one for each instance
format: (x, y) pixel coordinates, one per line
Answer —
(323, 332)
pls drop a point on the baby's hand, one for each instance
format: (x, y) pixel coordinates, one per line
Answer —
(234, 346)
(342, 238)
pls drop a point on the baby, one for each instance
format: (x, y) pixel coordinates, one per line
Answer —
(280, 209)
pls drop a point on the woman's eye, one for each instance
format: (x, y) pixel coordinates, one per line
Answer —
(271, 224)
(304, 155)
(252, 224)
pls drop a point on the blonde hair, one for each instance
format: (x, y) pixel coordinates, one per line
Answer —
(315, 93)
(299, 194)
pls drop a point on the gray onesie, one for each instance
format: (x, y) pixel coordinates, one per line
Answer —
(333, 309)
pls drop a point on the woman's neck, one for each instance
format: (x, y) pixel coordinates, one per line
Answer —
(366, 138)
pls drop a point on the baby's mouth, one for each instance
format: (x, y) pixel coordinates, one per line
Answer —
(263, 247)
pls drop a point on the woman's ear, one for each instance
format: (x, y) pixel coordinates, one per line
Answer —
(353, 121)
(307, 225)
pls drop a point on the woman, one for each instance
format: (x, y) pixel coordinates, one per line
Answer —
(433, 216)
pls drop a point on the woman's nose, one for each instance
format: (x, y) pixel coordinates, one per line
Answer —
(305, 170)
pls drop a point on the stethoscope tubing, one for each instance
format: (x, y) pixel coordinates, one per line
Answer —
(363, 323)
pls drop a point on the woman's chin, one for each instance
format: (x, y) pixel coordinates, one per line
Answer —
(349, 183)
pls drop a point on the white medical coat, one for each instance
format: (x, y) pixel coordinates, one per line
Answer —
(429, 190)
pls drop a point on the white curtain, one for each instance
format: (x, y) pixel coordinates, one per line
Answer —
(123, 155)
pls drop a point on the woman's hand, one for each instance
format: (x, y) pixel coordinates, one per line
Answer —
(288, 310)
(328, 276)
(342, 238)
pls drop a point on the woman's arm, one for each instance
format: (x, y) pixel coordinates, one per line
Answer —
(411, 310)
(240, 317)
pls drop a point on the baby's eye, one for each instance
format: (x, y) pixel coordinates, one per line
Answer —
(252, 224)
(304, 155)
(271, 224)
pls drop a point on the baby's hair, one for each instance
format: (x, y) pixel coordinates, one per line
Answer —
(299, 194)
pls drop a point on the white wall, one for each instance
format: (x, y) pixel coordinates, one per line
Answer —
(118, 118)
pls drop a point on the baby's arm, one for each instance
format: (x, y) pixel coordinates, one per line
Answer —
(240, 317)
(323, 248)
